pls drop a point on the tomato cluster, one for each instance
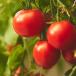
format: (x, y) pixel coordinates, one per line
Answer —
(60, 37)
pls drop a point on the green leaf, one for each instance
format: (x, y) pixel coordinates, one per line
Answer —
(71, 72)
(33, 5)
(3, 60)
(10, 35)
(2, 49)
(30, 42)
(7, 72)
(15, 59)
(8, 8)
(68, 3)
(3, 26)
(68, 72)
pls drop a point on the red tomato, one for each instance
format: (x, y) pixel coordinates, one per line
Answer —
(45, 55)
(28, 22)
(70, 55)
(61, 34)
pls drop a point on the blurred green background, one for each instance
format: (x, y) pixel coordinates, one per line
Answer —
(9, 38)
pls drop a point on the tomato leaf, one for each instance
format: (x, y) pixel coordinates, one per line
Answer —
(16, 57)
(68, 72)
(3, 60)
(29, 44)
(10, 35)
(71, 72)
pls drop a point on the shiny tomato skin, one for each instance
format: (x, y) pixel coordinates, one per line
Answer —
(61, 34)
(28, 22)
(45, 55)
(70, 56)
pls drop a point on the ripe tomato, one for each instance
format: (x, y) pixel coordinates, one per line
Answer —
(45, 55)
(70, 55)
(61, 34)
(28, 22)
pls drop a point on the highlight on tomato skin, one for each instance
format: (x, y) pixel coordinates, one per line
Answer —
(45, 55)
(29, 22)
(61, 34)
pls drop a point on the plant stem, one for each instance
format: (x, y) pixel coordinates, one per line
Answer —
(26, 48)
(73, 70)
(54, 3)
(64, 7)
(74, 3)
(57, 15)
(51, 7)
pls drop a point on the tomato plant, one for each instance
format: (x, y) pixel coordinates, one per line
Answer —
(45, 55)
(44, 29)
(28, 22)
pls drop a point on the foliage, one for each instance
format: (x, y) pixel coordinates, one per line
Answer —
(20, 55)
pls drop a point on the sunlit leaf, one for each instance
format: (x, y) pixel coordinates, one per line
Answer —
(10, 35)
(15, 59)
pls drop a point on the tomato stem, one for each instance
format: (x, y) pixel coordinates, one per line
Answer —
(73, 70)
(54, 3)
(57, 14)
(26, 48)
(64, 7)
(74, 3)
(41, 70)
(51, 6)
